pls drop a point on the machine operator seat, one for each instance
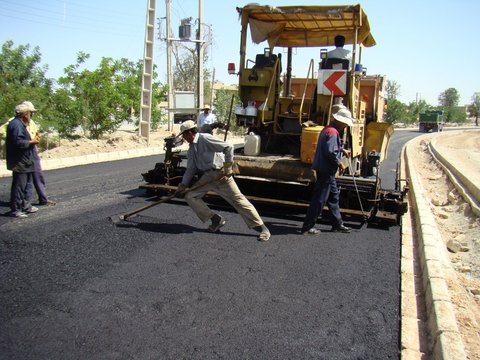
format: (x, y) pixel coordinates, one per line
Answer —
(334, 63)
(262, 61)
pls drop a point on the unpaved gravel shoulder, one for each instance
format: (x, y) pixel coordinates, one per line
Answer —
(456, 223)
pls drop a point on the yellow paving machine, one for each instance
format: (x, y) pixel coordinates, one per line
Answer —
(283, 114)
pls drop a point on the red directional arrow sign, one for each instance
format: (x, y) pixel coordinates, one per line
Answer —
(333, 81)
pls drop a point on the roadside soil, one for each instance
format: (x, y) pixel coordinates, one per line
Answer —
(118, 141)
(453, 215)
(458, 224)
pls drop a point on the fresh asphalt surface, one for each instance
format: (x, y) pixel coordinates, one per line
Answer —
(73, 285)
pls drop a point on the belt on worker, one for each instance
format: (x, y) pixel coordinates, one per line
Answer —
(207, 171)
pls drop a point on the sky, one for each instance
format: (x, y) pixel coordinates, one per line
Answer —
(425, 46)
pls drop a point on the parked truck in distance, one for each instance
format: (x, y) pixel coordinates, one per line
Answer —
(431, 121)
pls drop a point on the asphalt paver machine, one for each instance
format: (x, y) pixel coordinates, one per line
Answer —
(283, 114)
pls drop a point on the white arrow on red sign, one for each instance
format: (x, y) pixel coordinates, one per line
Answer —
(332, 81)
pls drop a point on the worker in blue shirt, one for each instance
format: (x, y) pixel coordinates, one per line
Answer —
(326, 163)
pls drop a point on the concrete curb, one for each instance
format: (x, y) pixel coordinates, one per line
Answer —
(51, 164)
(413, 334)
(445, 341)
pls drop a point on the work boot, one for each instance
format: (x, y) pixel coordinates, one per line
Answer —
(217, 223)
(341, 228)
(264, 232)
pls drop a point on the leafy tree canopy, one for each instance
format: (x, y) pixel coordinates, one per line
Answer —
(22, 78)
(474, 107)
(448, 100)
(392, 90)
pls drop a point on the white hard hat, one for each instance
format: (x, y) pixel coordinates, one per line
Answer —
(24, 107)
(342, 114)
(206, 106)
(187, 125)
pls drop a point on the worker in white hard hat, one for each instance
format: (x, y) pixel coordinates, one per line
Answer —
(20, 160)
(326, 163)
(212, 159)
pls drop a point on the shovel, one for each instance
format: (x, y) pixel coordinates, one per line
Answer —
(164, 199)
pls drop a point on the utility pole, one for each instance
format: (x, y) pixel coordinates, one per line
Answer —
(169, 67)
(147, 75)
(212, 90)
(200, 48)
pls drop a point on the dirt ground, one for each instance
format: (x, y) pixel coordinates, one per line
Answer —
(456, 221)
(460, 226)
(119, 140)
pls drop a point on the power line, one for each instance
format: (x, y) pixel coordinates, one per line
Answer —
(82, 6)
(91, 30)
(182, 10)
(22, 12)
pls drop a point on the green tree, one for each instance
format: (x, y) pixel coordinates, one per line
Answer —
(414, 109)
(392, 90)
(396, 112)
(100, 100)
(160, 93)
(474, 107)
(222, 102)
(22, 78)
(448, 100)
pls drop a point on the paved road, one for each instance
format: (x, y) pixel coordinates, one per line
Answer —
(75, 286)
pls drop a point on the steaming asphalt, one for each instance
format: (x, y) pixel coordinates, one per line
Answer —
(73, 285)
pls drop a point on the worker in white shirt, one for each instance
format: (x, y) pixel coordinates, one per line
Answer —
(339, 52)
(206, 117)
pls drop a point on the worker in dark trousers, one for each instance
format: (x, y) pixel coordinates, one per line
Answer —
(20, 161)
(38, 178)
(326, 163)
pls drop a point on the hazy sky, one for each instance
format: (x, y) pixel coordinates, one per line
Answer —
(426, 46)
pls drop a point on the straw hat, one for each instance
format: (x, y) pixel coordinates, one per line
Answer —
(24, 107)
(342, 114)
(187, 125)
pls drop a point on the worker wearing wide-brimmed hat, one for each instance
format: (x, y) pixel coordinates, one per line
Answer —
(38, 178)
(212, 159)
(20, 160)
(206, 117)
(326, 163)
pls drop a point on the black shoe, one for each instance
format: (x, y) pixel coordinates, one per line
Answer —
(341, 228)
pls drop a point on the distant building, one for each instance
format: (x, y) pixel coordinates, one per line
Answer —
(219, 85)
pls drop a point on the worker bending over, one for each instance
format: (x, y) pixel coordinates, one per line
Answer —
(213, 159)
